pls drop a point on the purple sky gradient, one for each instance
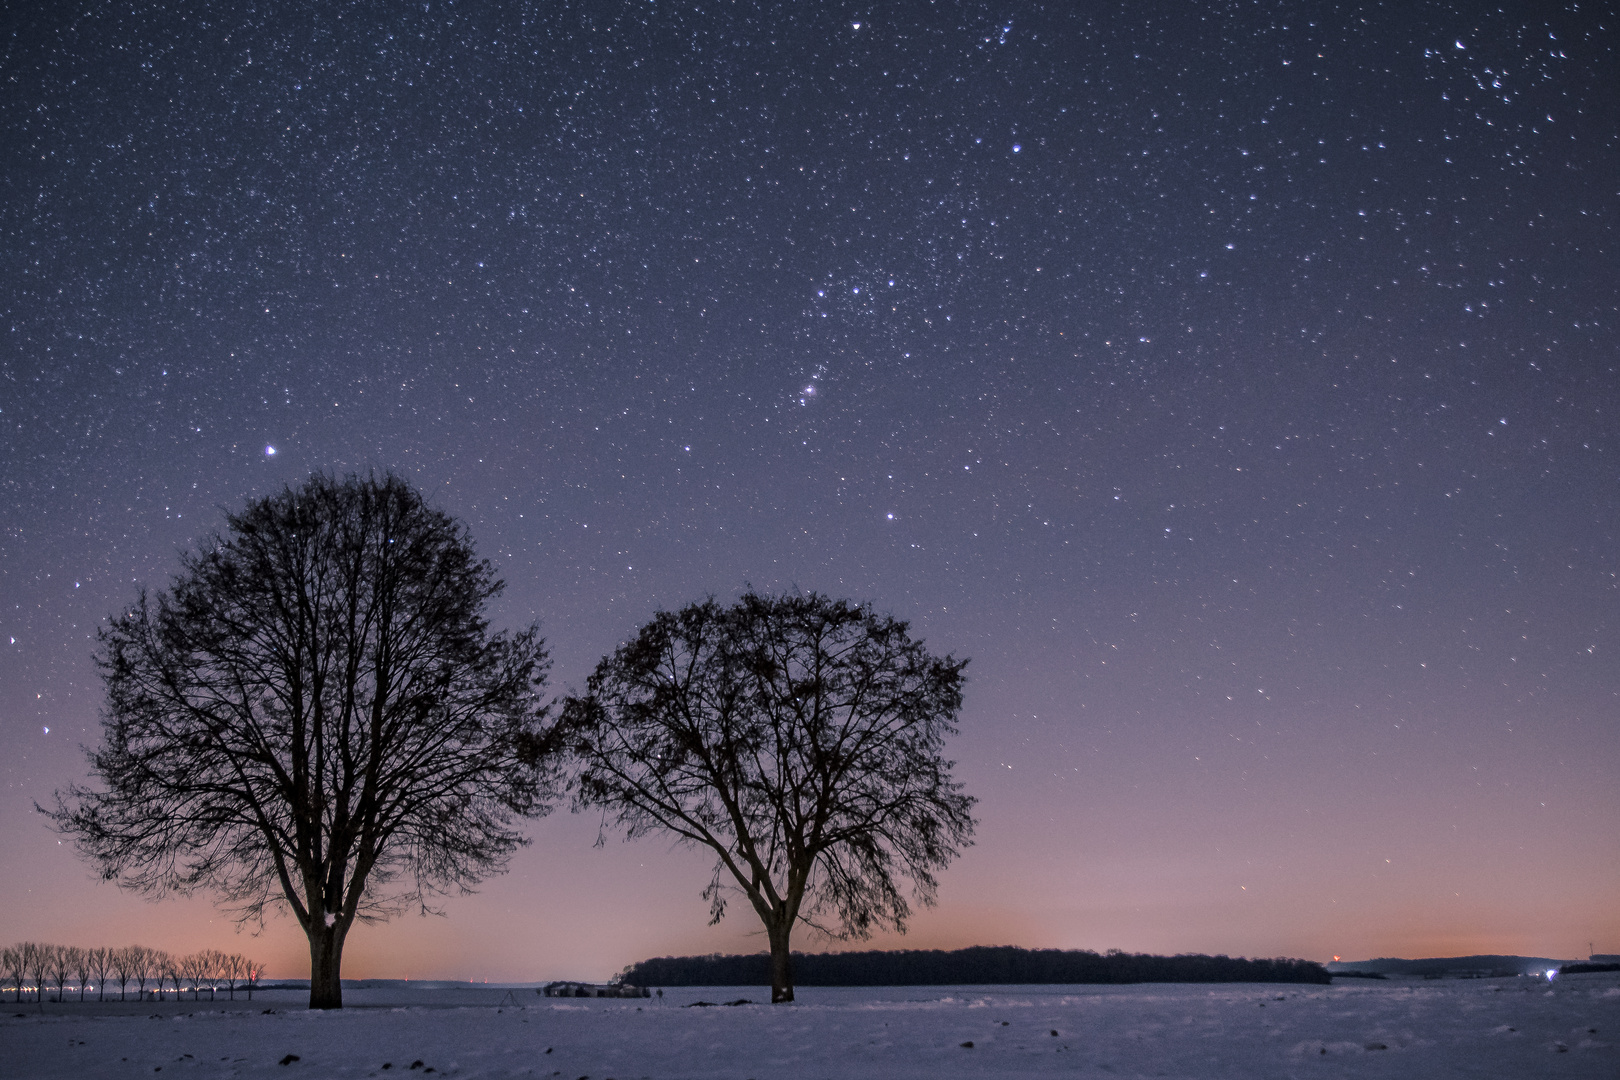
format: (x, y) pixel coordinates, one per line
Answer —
(1238, 390)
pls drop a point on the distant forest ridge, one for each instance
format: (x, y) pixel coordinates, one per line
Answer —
(981, 964)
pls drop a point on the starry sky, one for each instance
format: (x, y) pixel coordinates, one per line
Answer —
(1235, 383)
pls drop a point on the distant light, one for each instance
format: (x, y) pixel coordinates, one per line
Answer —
(47, 731)
(269, 451)
(1460, 45)
(1552, 973)
(855, 25)
(891, 517)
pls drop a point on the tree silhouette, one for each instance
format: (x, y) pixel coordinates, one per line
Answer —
(101, 962)
(39, 957)
(147, 964)
(173, 968)
(14, 960)
(84, 966)
(124, 963)
(316, 715)
(193, 970)
(62, 960)
(799, 738)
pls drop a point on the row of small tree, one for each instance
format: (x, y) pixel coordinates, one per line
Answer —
(37, 967)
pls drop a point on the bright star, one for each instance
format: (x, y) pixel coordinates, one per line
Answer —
(269, 451)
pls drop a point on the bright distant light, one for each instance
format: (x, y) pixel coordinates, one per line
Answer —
(1552, 973)
(1460, 45)
(269, 451)
(1017, 147)
(891, 517)
(809, 391)
(856, 25)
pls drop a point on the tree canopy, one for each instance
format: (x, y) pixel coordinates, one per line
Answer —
(800, 739)
(315, 714)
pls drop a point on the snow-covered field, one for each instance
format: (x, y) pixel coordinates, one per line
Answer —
(1484, 1028)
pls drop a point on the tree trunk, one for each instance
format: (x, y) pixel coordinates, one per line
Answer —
(325, 959)
(781, 965)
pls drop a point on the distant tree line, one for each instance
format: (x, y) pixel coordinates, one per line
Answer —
(977, 965)
(60, 971)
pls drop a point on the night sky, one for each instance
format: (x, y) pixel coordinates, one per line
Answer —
(1235, 383)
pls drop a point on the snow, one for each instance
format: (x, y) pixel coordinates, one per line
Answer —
(1478, 1028)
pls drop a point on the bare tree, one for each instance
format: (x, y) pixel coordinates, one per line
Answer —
(101, 961)
(16, 968)
(148, 965)
(41, 958)
(197, 972)
(173, 968)
(84, 966)
(797, 737)
(123, 964)
(231, 970)
(316, 715)
(216, 966)
(64, 958)
(187, 968)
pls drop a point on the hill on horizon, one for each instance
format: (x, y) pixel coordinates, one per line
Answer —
(1487, 964)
